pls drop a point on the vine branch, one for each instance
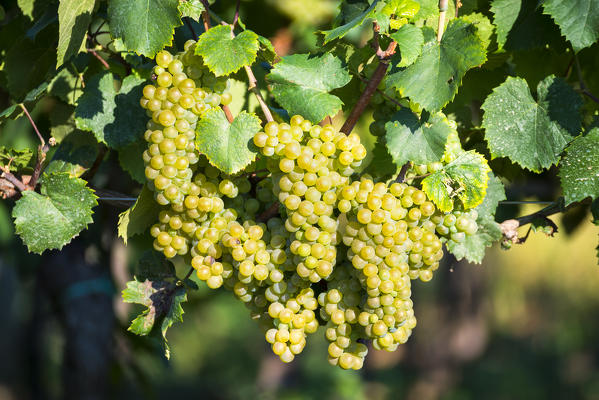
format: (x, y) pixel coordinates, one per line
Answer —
(510, 226)
(373, 83)
(442, 13)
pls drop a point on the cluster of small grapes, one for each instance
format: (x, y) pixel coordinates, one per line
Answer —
(182, 91)
(313, 163)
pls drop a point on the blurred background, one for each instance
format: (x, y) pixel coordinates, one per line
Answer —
(523, 325)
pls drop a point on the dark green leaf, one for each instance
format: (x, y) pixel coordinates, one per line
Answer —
(409, 39)
(579, 169)
(116, 119)
(140, 216)
(417, 140)
(577, 19)
(130, 159)
(155, 267)
(531, 133)
(342, 30)
(75, 154)
(301, 84)
(434, 78)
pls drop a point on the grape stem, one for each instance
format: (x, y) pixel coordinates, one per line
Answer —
(228, 113)
(205, 16)
(458, 4)
(41, 151)
(583, 86)
(190, 27)
(269, 212)
(236, 17)
(102, 61)
(372, 84)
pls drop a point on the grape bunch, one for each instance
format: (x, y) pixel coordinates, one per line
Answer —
(182, 91)
(304, 242)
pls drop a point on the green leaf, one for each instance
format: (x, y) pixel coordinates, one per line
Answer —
(267, 50)
(578, 20)
(495, 194)
(30, 97)
(579, 168)
(528, 132)
(409, 39)
(191, 8)
(224, 54)
(140, 216)
(74, 17)
(75, 154)
(154, 266)
(146, 26)
(301, 84)
(417, 140)
(17, 159)
(115, 118)
(466, 178)
(484, 27)
(434, 78)
(382, 164)
(521, 24)
(62, 121)
(428, 8)
(474, 246)
(228, 146)
(51, 219)
(131, 160)
(66, 85)
(28, 63)
(163, 306)
(33, 8)
(342, 30)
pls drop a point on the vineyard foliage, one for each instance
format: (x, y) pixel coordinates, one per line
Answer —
(445, 106)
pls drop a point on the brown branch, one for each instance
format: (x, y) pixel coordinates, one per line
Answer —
(402, 172)
(386, 96)
(253, 87)
(373, 83)
(91, 172)
(16, 182)
(228, 113)
(95, 54)
(37, 132)
(190, 27)
(236, 17)
(510, 226)
(269, 212)
(37, 171)
(458, 4)
(205, 16)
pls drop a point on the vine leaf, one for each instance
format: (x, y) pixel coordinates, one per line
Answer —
(354, 22)
(228, 146)
(301, 84)
(434, 78)
(131, 160)
(17, 159)
(382, 164)
(474, 246)
(51, 219)
(410, 40)
(579, 168)
(74, 17)
(191, 8)
(417, 140)
(521, 24)
(115, 118)
(528, 132)
(466, 178)
(484, 27)
(30, 97)
(146, 26)
(163, 302)
(154, 266)
(75, 154)
(578, 20)
(138, 218)
(224, 54)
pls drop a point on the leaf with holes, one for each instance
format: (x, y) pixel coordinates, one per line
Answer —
(531, 133)
(228, 146)
(51, 219)
(434, 78)
(465, 178)
(224, 54)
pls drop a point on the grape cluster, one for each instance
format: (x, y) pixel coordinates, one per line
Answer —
(182, 91)
(336, 250)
